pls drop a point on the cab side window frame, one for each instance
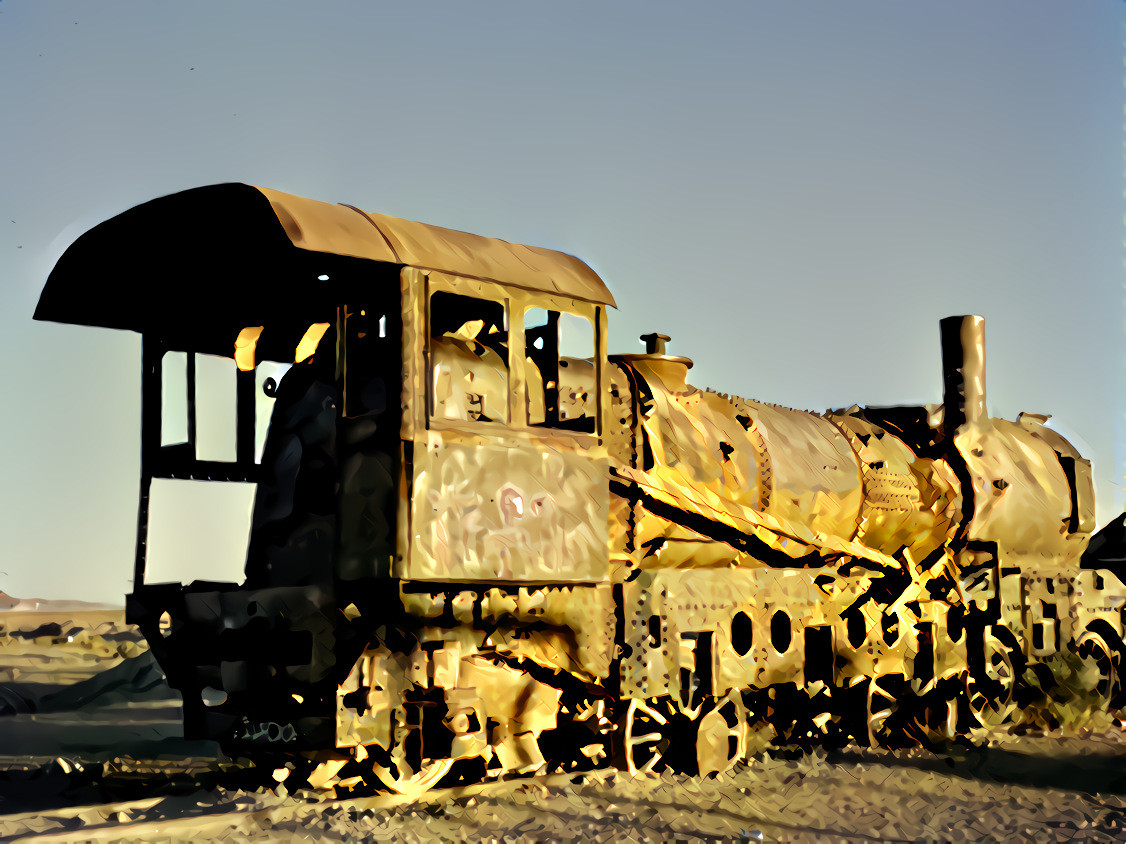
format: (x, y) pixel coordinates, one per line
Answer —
(481, 335)
(522, 371)
(560, 394)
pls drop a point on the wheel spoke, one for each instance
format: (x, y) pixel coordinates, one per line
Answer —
(409, 773)
(640, 715)
(990, 697)
(881, 707)
(1097, 675)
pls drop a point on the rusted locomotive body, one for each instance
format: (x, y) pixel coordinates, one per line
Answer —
(478, 543)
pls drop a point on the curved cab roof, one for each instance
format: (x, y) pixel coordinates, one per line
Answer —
(233, 252)
(323, 227)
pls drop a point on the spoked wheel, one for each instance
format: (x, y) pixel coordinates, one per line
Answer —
(1097, 672)
(407, 769)
(581, 740)
(721, 740)
(402, 778)
(991, 686)
(644, 741)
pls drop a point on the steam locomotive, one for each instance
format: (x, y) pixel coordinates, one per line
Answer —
(475, 543)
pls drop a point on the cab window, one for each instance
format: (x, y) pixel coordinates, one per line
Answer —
(468, 358)
(199, 405)
(561, 380)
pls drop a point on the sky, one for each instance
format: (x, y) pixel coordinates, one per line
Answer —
(795, 191)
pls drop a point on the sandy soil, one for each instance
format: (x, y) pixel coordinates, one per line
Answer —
(91, 749)
(984, 795)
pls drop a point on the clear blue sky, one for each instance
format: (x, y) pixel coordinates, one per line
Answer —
(796, 191)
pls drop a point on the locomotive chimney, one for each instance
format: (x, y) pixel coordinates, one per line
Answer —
(655, 343)
(963, 371)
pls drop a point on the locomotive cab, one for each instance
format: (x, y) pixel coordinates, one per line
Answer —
(509, 473)
(320, 389)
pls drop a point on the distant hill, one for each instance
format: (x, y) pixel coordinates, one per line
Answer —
(9, 603)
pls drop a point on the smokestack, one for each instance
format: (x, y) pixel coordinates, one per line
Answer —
(963, 371)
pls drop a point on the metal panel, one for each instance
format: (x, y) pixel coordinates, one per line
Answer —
(507, 508)
(1021, 496)
(497, 501)
(344, 230)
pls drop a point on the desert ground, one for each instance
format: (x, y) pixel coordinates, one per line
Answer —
(91, 749)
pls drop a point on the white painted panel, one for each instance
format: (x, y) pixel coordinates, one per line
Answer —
(198, 530)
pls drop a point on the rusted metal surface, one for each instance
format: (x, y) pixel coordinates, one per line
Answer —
(511, 509)
(244, 253)
(909, 501)
(1080, 480)
(963, 355)
(493, 496)
(344, 230)
(1021, 496)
